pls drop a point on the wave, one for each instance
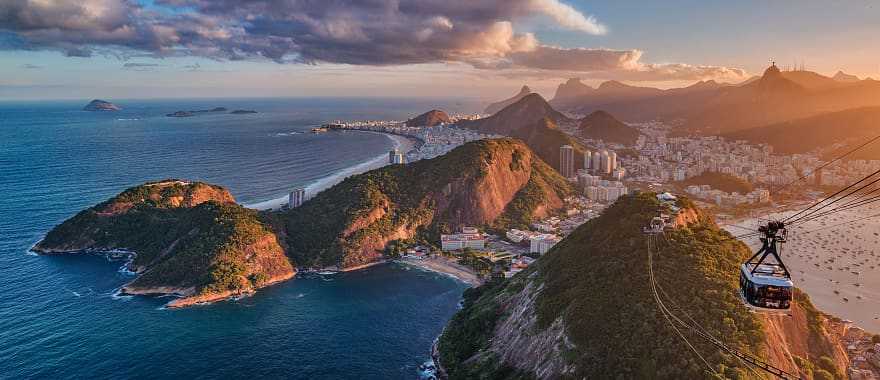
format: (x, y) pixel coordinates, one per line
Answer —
(291, 133)
(117, 295)
(132, 119)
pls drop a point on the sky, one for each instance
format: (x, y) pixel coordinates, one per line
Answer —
(485, 49)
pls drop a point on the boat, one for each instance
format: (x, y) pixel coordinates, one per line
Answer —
(320, 129)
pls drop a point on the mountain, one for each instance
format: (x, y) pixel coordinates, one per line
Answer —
(526, 111)
(848, 128)
(429, 119)
(497, 106)
(586, 309)
(571, 89)
(101, 105)
(190, 239)
(533, 121)
(844, 77)
(492, 183)
(600, 125)
(712, 108)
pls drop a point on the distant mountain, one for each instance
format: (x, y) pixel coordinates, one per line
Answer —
(713, 108)
(526, 111)
(600, 125)
(850, 127)
(844, 77)
(429, 119)
(101, 105)
(497, 106)
(567, 317)
(571, 89)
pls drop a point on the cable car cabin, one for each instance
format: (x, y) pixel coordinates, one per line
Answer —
(769, 288)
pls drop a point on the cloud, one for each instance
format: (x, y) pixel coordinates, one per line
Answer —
(368, 32)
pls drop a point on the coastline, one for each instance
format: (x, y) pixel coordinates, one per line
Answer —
(445, 267)
(399, 142)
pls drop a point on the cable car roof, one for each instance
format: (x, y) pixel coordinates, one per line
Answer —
(767, 274)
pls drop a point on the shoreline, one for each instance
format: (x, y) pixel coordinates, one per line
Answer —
(403, 143)
(445, 267)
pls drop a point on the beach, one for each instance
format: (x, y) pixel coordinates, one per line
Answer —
(445, 266)
(401, 143)
(836, 263)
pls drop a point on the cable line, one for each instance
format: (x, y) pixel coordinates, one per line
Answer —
(834, 195)
(827, 164)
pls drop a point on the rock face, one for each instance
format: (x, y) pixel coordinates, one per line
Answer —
(188, 238)
(101, 105)
(429, 119)
(586, 309)
(600, 125)
(498, 106)
(571, 89)
(482, 183)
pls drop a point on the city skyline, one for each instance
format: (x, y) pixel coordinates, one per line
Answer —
(154, 49)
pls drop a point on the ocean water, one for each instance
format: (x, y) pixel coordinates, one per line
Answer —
(59, 317)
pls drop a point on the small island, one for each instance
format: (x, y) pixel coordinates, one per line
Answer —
(242, 112)
(101, 105)
(194, 112)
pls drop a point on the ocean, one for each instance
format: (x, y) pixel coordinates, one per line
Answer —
(59, 317)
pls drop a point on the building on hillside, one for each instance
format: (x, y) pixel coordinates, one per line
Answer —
(296, 198)
(597, 162)
(469, 237)
(540, 244)
(566, 161)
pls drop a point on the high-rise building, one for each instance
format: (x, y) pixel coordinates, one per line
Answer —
(612, 156)
(296, 198)
(588, 160)
(597, 162)
(604, 162)
(396, 157)
(566, 161)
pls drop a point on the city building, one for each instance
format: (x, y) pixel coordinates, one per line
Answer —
(566, 161)
(469, 237)
(588, 160)
(296, 198)
(542, 243)
(396, 157)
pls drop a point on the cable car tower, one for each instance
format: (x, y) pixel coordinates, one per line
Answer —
(766, 286)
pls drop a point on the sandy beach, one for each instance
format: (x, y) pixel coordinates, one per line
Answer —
(445, 266)
(401, 143)
(837, 264)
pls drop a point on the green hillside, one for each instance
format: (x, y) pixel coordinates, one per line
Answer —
(596, 283)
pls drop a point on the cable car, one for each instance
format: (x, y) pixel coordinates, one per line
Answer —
(767, 286)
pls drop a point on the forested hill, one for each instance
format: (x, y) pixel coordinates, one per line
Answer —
(587, 310)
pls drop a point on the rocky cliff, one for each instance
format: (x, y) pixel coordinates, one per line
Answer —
(489, 183)
(586, 309)
(187, 238)
(101, 105)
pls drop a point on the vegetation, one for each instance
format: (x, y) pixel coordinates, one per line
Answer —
(596, 281)
(327, 229)
(201, 247)
(600, 125)
(719, 181)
